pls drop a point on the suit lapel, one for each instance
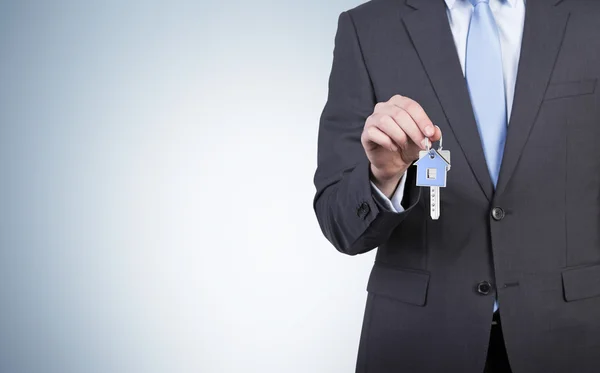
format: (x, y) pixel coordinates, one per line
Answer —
(430, 33)
(545, 25)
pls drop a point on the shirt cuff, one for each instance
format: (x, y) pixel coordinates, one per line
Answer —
(395, 204)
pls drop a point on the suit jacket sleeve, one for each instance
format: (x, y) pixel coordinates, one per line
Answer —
(349, 215)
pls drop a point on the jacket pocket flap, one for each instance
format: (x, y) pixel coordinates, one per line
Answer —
(405, 285)
(581, 283)
(569, 89)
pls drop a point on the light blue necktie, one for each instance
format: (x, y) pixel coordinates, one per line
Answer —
(486, 85)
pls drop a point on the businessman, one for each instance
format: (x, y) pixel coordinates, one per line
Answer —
(508, 278)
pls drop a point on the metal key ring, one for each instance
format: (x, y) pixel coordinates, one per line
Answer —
(429, 148)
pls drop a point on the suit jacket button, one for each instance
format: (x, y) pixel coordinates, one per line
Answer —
(484, 288)
(363, 210)
(498, 214)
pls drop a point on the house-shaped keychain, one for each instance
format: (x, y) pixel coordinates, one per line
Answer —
(432, 169)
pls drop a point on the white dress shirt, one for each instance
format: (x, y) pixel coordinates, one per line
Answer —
(510, 17)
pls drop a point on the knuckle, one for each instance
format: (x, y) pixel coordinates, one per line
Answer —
(372, 120)
(411, 105)
(370, 132)
(400, 113)
(384, 119)
(395, 112)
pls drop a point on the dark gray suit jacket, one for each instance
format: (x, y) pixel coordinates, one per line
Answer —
(536, 238)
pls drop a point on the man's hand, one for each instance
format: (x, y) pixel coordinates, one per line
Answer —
(392, 138)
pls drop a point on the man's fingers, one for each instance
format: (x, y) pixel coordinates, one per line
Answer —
(403, 120)
(375, 135)
(417, 113)
(402, 127)
(408, 125)
(437, 135)
(390, 127)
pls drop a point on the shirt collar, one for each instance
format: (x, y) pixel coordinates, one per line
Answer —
(450, 3)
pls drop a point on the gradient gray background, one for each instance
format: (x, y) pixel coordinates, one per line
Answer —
(156, 164)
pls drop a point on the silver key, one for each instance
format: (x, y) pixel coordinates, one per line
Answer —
(432, 168)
